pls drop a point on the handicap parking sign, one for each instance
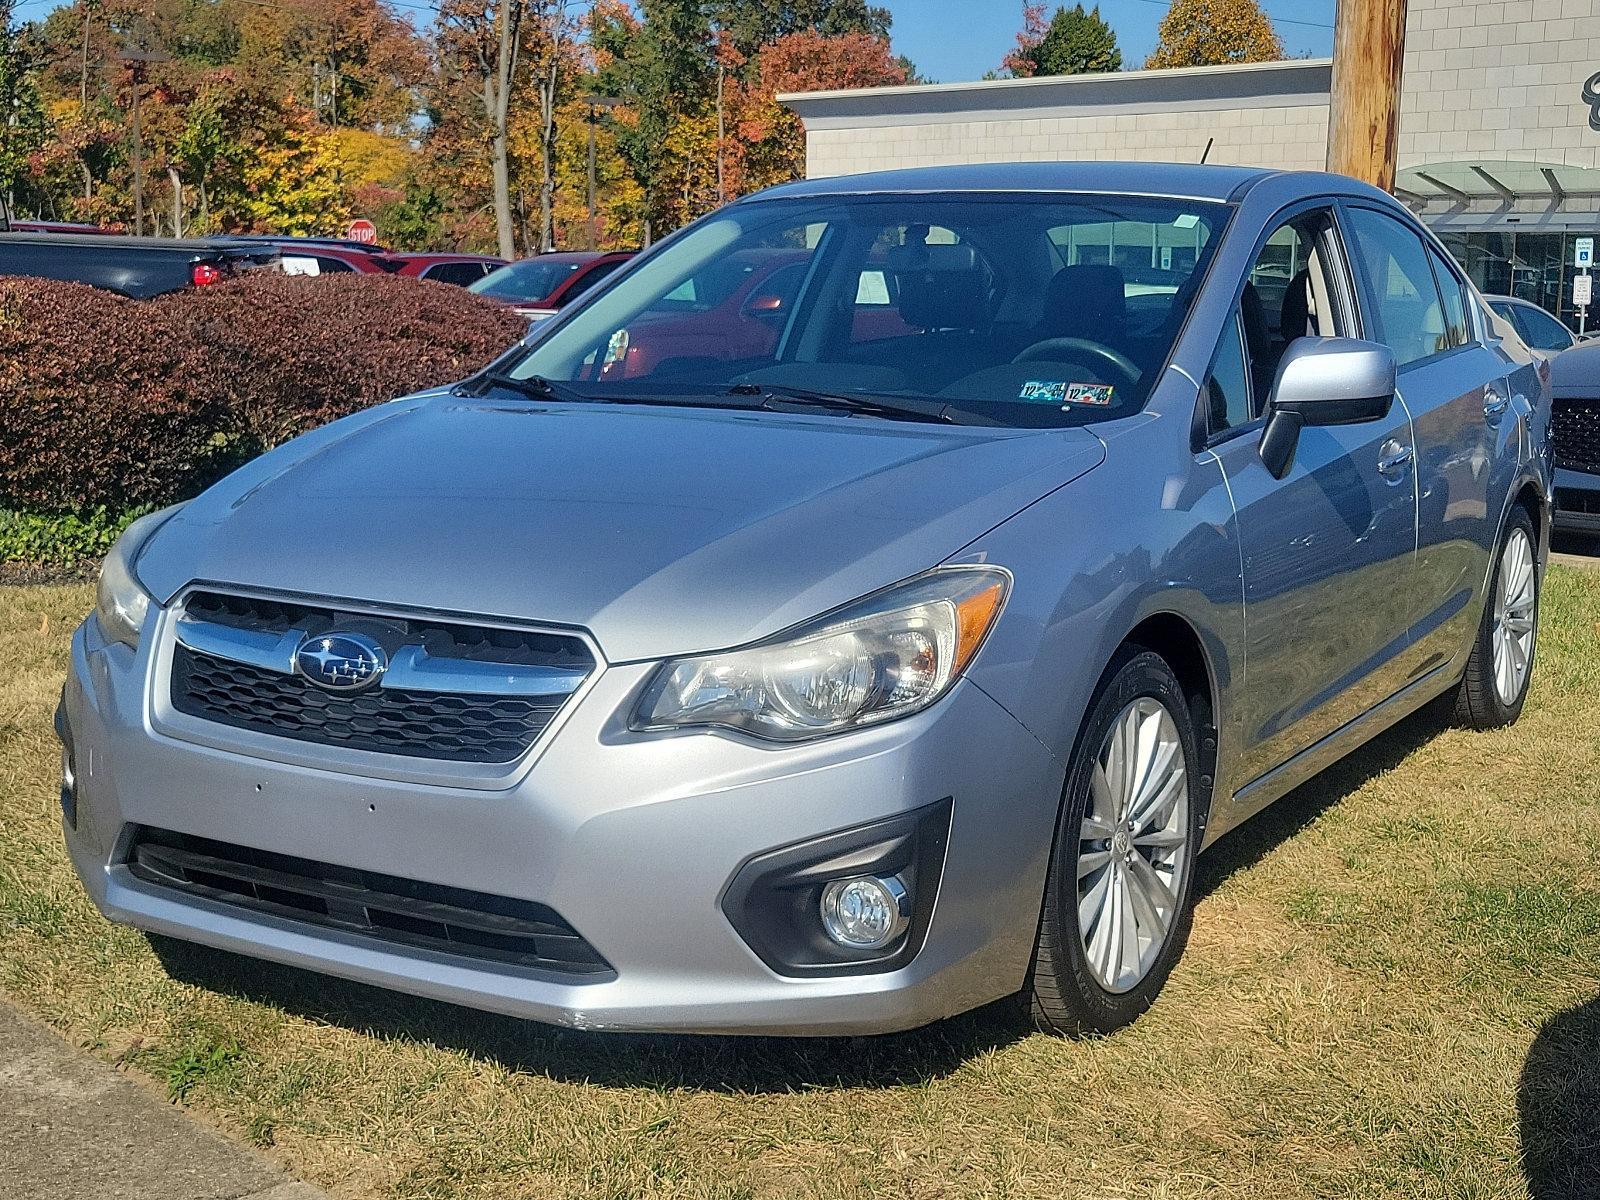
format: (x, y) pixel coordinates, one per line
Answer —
(1583, 252)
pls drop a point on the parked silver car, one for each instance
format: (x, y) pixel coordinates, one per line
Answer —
(1544, 334)
(886, 641)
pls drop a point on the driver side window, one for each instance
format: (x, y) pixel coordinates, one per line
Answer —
(1286, 295)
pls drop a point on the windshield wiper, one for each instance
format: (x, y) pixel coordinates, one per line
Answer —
(897, 408)
(535, 387)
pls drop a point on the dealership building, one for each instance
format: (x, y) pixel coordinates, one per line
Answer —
(1499, 146)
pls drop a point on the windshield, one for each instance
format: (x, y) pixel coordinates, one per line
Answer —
(1016, 309)
(528, 280)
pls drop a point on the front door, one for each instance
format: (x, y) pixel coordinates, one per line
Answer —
(1328, 550)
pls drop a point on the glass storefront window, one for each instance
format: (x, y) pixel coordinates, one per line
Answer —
(1530, 265)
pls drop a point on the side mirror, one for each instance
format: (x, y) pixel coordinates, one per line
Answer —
(1324, 381)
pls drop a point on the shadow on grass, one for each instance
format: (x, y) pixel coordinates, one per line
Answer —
(1247, 845)
(711, 1063)
(738, 1064)
(1558, 1107)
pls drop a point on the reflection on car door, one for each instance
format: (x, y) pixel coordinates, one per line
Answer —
(1328, 549)
(1457, 391)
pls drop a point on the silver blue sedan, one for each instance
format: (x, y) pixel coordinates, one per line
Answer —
(869, 604)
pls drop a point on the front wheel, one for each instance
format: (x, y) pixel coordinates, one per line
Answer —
(1500, 667)
(1117, 904)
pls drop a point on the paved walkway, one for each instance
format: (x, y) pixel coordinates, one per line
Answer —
(73, 1128)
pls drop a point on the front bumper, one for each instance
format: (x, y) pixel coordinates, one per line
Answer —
(1577, 502)
(631, 838)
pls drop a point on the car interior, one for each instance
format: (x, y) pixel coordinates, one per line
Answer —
(1056, 306)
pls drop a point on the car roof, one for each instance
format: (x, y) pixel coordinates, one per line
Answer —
(432, 257)
(560, 256)
(1189, 180)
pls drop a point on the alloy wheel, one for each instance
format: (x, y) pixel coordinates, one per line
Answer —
(1516, 594)
(1134, 845)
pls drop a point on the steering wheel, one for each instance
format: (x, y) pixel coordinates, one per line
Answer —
(1078, 349)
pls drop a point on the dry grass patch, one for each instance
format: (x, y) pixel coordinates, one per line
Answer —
(1390, 991)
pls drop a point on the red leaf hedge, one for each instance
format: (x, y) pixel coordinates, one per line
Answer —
(291, 353)
(120, 403)
(97, 402)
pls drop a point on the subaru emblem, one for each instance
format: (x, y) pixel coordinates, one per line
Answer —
(341, 662)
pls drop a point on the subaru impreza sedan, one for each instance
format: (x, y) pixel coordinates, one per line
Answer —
(899, 659)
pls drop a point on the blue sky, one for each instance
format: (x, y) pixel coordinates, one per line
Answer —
(952, 40)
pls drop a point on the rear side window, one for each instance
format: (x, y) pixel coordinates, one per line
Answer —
(1539, 329)
(459, 274)
(1404, 309)
(594, 276)
(332, 266)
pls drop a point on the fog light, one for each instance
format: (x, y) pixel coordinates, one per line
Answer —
(865, 913)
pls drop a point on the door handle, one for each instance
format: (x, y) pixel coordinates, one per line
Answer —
(1394, 458)
(1494, 404)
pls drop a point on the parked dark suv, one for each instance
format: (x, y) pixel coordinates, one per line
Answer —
(1575, 437)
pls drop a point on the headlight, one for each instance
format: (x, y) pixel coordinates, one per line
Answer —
(889, 655)
(121, 605)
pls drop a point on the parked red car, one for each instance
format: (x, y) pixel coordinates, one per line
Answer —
(736, 307)
(310, 258)
(460, 269)
(537, 286)
(59, 227)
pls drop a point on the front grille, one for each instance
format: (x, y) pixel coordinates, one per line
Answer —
(1575, 435)
(452, 727)
(429, 916)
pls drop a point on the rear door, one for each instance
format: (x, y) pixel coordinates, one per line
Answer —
(1458, 392)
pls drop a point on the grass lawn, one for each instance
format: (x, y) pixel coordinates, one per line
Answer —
(1390, 991)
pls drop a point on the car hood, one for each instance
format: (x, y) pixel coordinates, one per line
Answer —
(660, 530)
(1575, 372)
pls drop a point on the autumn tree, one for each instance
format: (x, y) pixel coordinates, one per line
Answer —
(1019, 63)
(22, 128)
(1076, 41)
(806, 62)
(1203, 33)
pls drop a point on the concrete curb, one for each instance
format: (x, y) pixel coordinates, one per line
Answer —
(74, 1128)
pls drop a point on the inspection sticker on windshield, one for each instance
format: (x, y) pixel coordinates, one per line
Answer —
(1049, 391)
(1097, 394)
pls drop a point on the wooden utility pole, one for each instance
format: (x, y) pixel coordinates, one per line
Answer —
(1369, 42)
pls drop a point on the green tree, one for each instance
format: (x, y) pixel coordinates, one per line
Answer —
(1077, 42)
(753, 24)
(1203, 33)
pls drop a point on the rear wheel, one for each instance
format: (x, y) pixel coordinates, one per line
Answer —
(1116, 910)
(1500, 668)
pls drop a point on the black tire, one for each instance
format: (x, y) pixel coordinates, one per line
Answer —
(1063, 994)
(1478, 703)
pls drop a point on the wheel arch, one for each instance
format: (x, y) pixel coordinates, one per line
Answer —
(1180, 646)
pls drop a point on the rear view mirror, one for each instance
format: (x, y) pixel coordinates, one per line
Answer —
(763, 304)
(1325, 381)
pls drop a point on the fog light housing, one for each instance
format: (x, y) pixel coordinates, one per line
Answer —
(867, 912)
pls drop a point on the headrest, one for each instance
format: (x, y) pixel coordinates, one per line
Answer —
(1294, 319)
(941, 286)
(1256, 334)
(1086, 300)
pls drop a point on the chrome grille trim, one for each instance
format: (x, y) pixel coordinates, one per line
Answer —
(411, 669)
(478, 638)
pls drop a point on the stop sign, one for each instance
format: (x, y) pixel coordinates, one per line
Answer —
(362, 230)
